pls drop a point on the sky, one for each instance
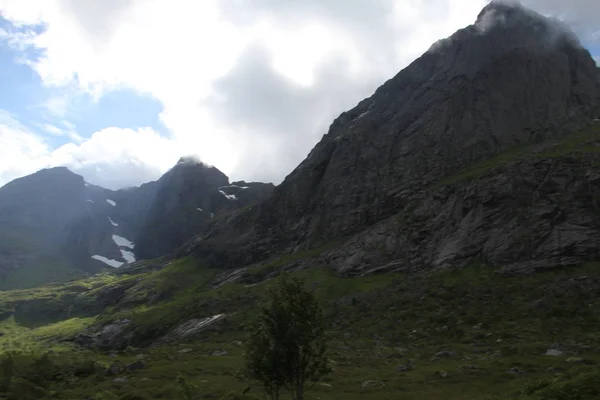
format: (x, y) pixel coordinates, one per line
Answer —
(119, 90)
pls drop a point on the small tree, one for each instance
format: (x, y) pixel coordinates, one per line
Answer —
(7, 369)
(286, 347)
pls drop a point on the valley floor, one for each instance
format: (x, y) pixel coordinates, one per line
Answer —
(457, 334)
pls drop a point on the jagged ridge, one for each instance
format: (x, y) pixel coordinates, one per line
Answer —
(478, 94)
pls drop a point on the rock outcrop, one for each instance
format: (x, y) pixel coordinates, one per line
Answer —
(187, 198)
(514, 78)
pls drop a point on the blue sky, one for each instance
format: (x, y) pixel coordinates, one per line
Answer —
(35, 105)
(118, 91)
(594, 50)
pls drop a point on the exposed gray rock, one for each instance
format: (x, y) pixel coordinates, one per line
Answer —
(554, 353)
(136, 365)
(409, 366)
(116, 368)
(441, 374)
(558, 346)
(190, 328)
(111, 336)
(368, 384)
(443, 354)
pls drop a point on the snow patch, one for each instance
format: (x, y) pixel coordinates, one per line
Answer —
(128, 256)
(107, 261)
(233, 186)
(228, 196)
(122, 242)
(363, 114)
(199, 209)
(111, 202)
(86, 184)
(113, 223)
(89, 201)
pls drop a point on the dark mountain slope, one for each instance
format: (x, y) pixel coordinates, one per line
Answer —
(512, 78)
(36, 213)
(41, 219)
(132, 208)
(187, 198)
(54, 225)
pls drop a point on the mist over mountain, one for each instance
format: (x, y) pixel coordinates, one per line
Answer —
(54, 225)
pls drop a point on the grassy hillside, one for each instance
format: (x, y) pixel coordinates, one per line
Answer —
(36, 274)
(576, 144)
(490, 333)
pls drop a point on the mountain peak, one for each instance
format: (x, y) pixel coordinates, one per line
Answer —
(192, 160)
(511, 15)
(57, 171)
(48, 176)
(508, 8)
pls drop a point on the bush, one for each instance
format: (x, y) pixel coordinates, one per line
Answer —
(238, 396)
(585, 386)
(27, 376)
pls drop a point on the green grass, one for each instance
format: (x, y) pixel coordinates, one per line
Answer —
(262, 271)
(63, 329)
(23, 340)
(37, 274)
(584, 141)
(492, 323)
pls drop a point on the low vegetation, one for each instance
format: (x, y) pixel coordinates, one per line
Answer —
(287, 344)
(453, 334)
(584, 141)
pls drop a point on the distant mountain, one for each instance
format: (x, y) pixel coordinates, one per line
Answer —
(54, 225)
(187, 198)
(466, 153)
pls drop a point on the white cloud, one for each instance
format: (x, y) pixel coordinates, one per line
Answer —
(115, 157)
(56, 106)
(318, 58)
(597, 58)
(68, 131)
(21, 151)
(112, 157)
(53, 130)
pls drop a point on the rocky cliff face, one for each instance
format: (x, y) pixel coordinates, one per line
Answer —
(513, 78)
(187, 198)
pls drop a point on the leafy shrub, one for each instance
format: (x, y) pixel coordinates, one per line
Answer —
(584, 386)
(27, 376)
(233, 395)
